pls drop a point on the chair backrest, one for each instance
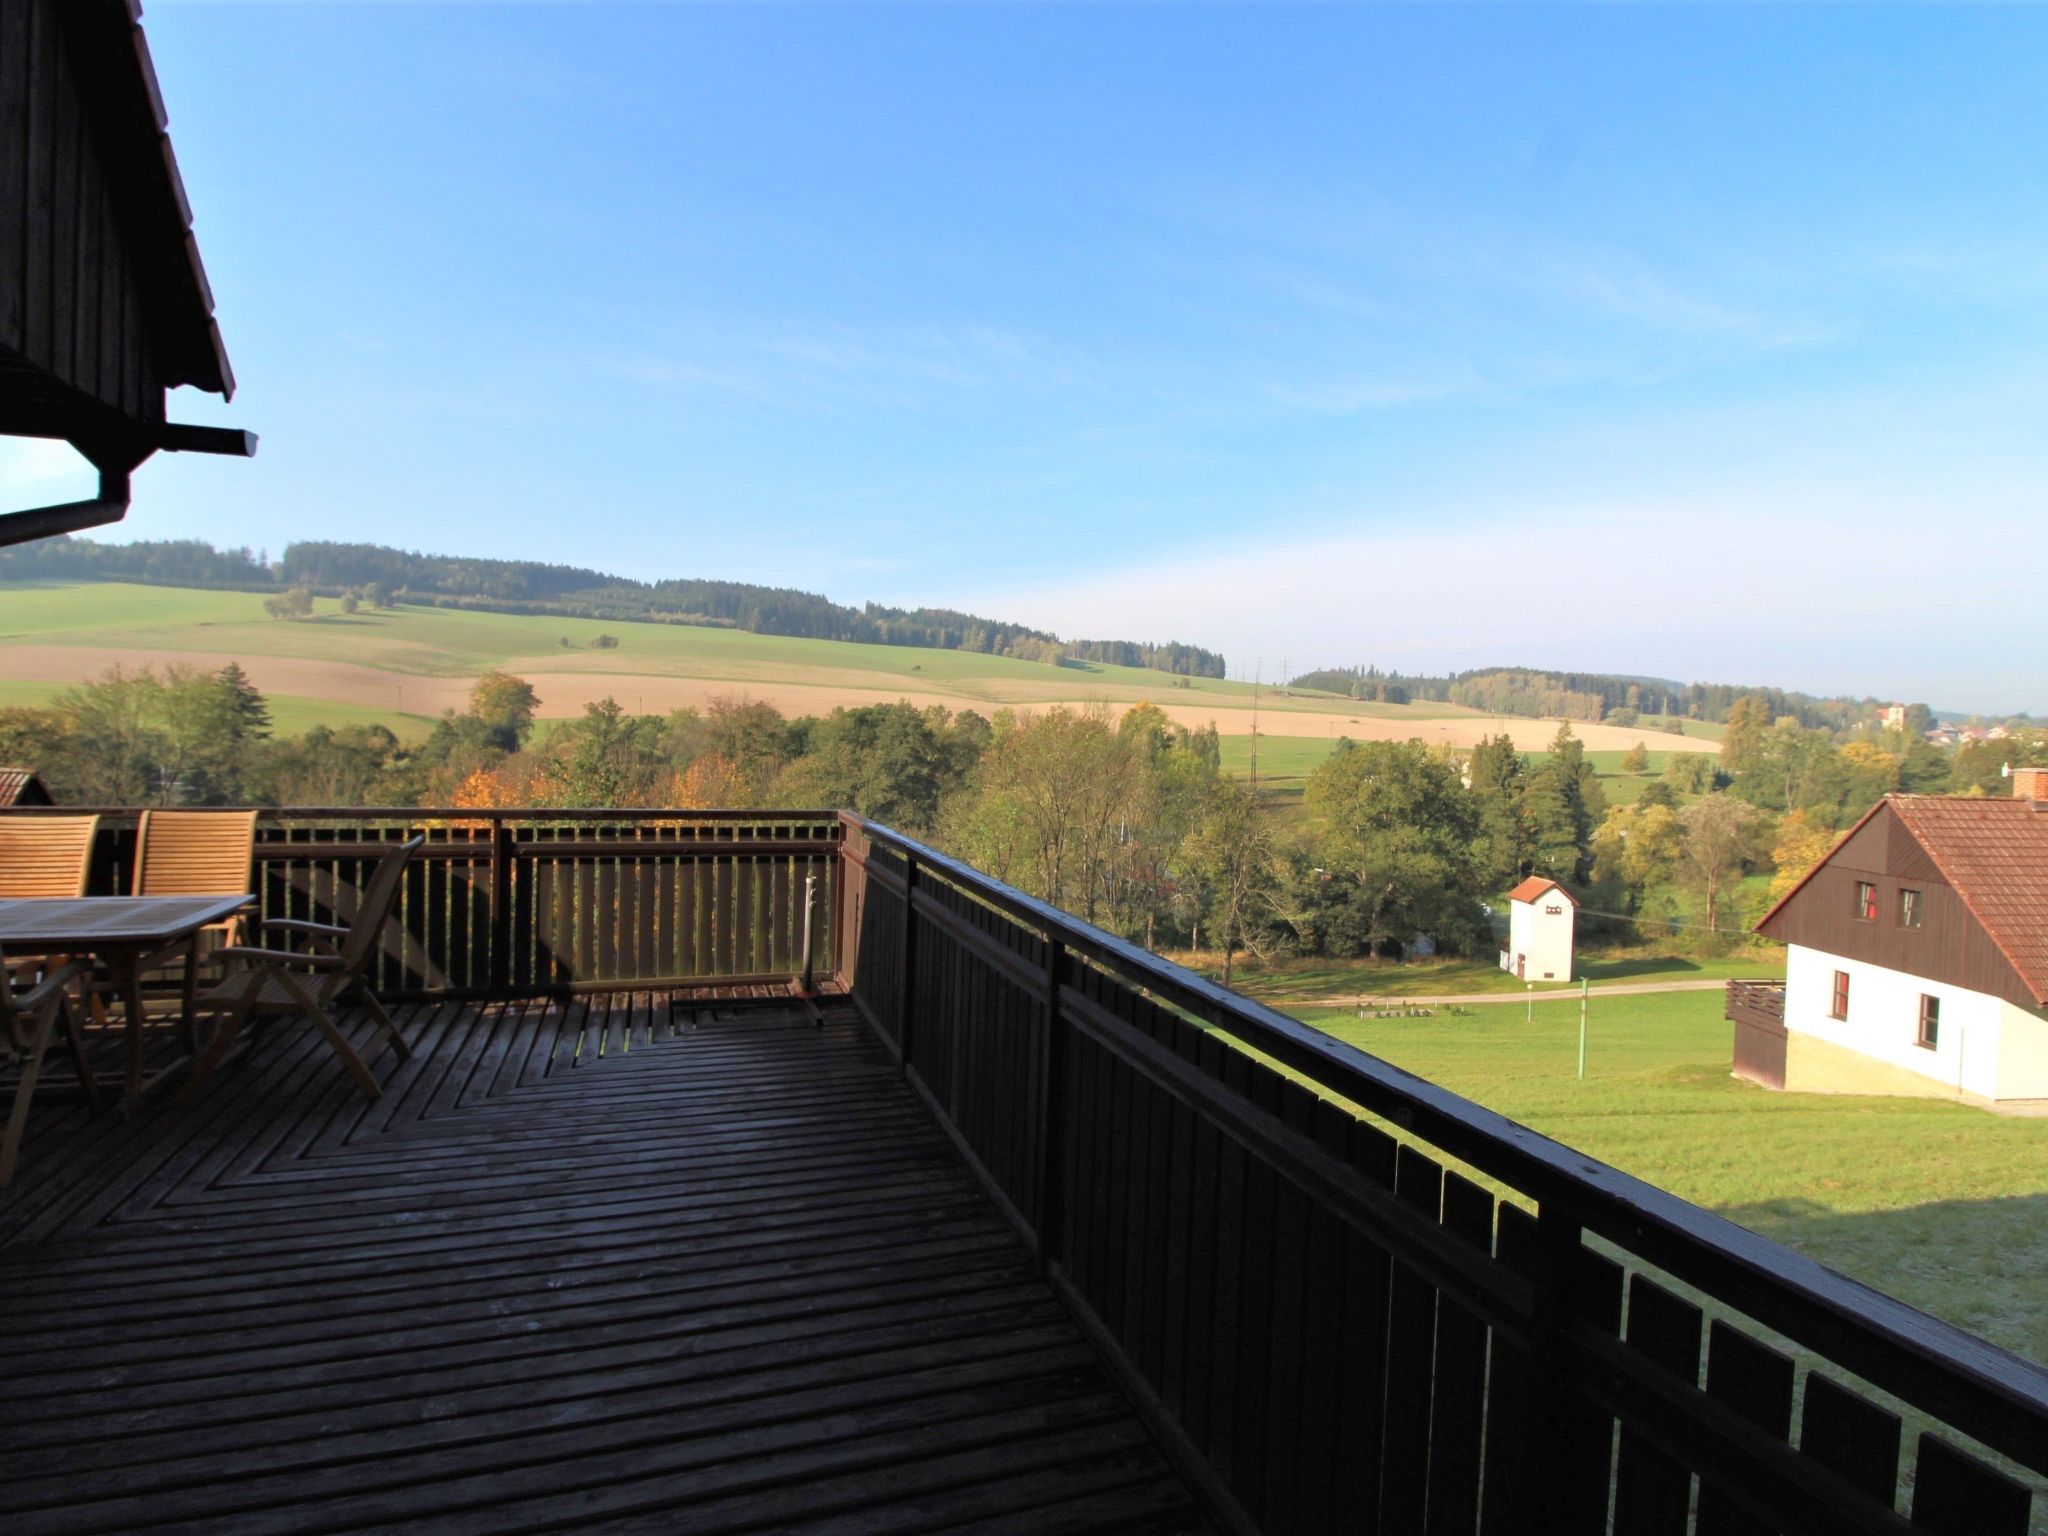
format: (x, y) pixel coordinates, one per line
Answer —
(367, 930)
(194, 853)
(46, 855)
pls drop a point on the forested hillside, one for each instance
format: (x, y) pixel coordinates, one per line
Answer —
(1617, 698)
(382, 576)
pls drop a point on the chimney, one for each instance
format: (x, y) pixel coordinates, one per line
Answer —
(2031, 784)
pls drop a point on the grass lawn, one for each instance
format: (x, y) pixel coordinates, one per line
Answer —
(1943, 1206)
(1305, 980)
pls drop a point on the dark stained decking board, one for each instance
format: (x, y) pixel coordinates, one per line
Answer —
(603, 1265)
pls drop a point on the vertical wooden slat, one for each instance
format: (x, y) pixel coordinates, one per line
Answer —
(1652, 1490)
(1755, 1381)
(603, 919)
(1231, 1263)
(1458, 1404)
(16, 60)
(1955, 1494)
(1289, 1347)
(67, 172)
(1853, 1438)
(1368, 1306)
(1318, 1450)
(566, 881)
(1411, 1339)
(42, 184)
(1511, 1404)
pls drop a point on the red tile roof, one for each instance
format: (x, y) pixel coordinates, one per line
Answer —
(20, 786)
(1994, 855)
(1533, 887)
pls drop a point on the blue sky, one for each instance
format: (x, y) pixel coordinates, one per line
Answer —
(1700, 341)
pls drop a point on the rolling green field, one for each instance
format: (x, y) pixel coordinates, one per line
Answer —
(1285, 762)
(418, 661)
(1941, 1205)
(453, 642)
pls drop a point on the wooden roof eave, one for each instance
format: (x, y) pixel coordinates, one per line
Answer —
(111, 55)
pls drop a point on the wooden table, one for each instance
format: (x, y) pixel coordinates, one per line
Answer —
(124, 932)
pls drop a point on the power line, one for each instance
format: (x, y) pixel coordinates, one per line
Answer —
(1669, 922)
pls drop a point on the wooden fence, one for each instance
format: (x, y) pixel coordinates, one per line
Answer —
(525, 902)
(1337, 1331)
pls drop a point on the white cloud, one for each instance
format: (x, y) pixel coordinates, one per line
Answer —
(1847, 593)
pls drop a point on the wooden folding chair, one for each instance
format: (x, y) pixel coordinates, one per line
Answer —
(194, 853)
(26, 1021)
(311, 981)
(191, 853)
(46, 855)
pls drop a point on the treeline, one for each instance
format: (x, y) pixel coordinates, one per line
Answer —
(534, 587)
(1125, 819)
(1538, 693)
(162, 562)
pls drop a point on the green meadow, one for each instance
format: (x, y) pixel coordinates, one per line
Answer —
(1939, 1204)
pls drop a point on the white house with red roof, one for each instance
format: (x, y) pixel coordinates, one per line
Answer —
(1541, 917)
(1917, 952)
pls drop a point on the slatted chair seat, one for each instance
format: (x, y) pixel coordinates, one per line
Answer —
(333, 969)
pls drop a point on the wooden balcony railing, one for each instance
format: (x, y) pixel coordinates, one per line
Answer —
(1757, 1002)
(518, 903)
(1346, 1298)
(1335, 1330)
(1757, 1010)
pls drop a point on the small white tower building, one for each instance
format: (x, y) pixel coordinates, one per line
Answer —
(1541, 917)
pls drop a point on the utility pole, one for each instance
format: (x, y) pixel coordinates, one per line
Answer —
(1585, 988)
(1258, 666)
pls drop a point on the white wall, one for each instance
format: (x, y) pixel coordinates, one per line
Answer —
(1543, 936)
(1987, 1046)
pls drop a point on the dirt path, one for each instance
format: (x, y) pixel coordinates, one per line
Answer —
(1543, 993)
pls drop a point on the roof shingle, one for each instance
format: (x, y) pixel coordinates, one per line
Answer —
(1994, 854)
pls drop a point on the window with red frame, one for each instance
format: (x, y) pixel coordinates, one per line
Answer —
(1838, 1006)
(1866, 901)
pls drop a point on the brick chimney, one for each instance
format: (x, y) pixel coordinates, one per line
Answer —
(2031, 784)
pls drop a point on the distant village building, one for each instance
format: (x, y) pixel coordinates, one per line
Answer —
(1895, 717)
(1917, 955)
(1541, 917)
(20, 786)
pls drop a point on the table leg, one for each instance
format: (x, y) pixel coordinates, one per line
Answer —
(127, 969)
(188, 995)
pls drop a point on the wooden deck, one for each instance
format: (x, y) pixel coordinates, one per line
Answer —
(635, 1265)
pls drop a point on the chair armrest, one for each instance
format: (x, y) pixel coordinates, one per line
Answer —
(291, 957)
(53, 981)
(300, 925)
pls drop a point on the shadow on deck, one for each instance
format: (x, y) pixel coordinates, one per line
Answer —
(639, 1266)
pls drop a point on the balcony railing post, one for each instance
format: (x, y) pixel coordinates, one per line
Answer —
(1556, 1454)
(906, 985)
(1052, 1109)
(501, 907)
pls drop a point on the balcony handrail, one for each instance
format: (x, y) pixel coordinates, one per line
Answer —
(414, 813)
(1986, 1392)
